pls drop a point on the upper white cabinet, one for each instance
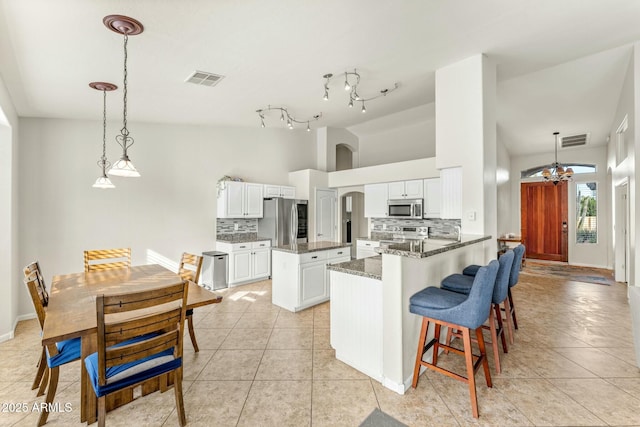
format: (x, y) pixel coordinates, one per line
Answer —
(279, 191)
(451, 196)
(240, 200)
(432, 199)
(406, 189)
(375, 200)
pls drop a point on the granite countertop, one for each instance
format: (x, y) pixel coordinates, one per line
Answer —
(240, 238)
(429, 247)
(303, 248)
(366, 267)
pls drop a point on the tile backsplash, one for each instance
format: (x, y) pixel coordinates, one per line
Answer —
(444, 228)
(227, 226)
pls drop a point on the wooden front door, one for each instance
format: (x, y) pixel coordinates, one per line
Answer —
(543, 218)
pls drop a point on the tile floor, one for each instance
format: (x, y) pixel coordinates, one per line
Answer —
(573, 363)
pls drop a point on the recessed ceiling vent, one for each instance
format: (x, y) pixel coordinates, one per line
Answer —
(574, 140)
(203, 78)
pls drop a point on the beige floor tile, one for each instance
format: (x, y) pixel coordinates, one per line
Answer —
(257, 320)
(285, 365)
(193, 363)
(291, 339)
(626, 354)
(237, 365)
(219, 319)
(208, 339)
(421, 406)
(600, 363)
(605, 400)
(334, 404)
(278, 403)
(301, 319)
(545, 404)
(18, 365)
(67, 411)
(549, 364)
(246, 339)
(321, 319)
(327, 367)
(630, 385)
(321, 339)
(213, 403)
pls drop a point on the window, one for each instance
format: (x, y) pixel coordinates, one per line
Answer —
(578, 168)
(586, 213)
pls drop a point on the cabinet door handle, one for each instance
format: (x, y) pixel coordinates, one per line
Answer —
(339, 253)
(314, 257)
(242, 247)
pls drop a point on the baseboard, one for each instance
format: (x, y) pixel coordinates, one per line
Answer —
(602, 267)
(10, 335)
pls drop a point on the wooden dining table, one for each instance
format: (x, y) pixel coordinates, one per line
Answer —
(71, 313)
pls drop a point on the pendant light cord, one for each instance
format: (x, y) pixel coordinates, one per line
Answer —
(124, 140)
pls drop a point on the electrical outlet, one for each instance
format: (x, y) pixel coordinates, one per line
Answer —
(236, 226)
(471, 215)
(384, 226)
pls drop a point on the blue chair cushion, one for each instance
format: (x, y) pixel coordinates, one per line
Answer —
(189, 312)
(68, 351)
(457, 283)
(121, 376)
(471, 270)
(434, 298)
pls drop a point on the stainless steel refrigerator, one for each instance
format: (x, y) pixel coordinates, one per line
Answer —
(284, 221)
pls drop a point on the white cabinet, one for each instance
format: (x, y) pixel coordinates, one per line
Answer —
(375, 200)
(240, 200)
(451, 196)
(300, 281)
(366, 248)
(248, 262)
(432, 191)
(406, 189)
(279, 191)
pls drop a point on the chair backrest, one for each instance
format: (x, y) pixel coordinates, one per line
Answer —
(154, 317)
(502, 278)
(190, 267)
(34, 286)
(107, 259)
(517, 263)
(475, 309)
(34, 268)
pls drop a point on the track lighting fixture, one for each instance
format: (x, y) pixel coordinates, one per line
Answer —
(291, 121)
(351, 82)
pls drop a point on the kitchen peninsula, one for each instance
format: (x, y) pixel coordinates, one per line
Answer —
(299, 272)
(372, 329)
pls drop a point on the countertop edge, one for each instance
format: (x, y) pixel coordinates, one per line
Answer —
(304, 251)
(467, 240)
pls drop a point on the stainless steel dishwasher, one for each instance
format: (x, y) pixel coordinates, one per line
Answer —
(214, 270)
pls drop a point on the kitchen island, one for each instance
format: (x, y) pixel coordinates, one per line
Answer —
(299, 272)
(372, 329)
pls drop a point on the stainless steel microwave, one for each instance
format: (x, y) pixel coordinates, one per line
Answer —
(405, 208)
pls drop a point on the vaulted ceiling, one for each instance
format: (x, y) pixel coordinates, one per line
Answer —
(561, 63)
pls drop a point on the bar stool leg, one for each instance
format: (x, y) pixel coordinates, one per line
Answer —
(501, 331)
(483, 355)
(513, 310)
(420, 352)
(436, 345)
(494, 340)
(471, 377)
(508, 319)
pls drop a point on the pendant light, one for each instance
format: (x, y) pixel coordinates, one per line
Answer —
(557, 172)
(103, 181)
(128, 27)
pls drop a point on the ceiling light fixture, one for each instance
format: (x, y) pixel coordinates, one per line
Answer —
(290, 119)
(351, 82)
(103, 181)
(128, 27)
(556, 172)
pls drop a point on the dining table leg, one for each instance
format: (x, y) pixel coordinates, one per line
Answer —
(88, 400)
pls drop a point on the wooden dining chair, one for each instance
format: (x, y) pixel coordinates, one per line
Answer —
(43, 296)
(107, 259)
(56, 354)
(190, 266)
(140, 337)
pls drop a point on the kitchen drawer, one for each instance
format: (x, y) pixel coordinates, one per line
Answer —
(369, 243)
(312, 257)
(235, 247)
(339, 253)
(261, 244)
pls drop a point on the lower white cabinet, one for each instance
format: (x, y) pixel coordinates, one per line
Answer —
(366, 248)
(300, 281)
(248, 262)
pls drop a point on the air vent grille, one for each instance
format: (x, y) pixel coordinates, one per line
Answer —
(203, 78)
(574, 140)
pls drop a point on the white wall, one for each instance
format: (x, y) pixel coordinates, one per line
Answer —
(170, 209)
(503, 181)
(407, 135)
(596, 255)
(327, 140)
(10, 276)
(625, 171)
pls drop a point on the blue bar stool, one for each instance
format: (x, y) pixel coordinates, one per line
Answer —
(463, 284)
(510, 311)
(462, 312)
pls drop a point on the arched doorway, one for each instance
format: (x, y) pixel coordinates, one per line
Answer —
(353, 223)
(344, 157)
